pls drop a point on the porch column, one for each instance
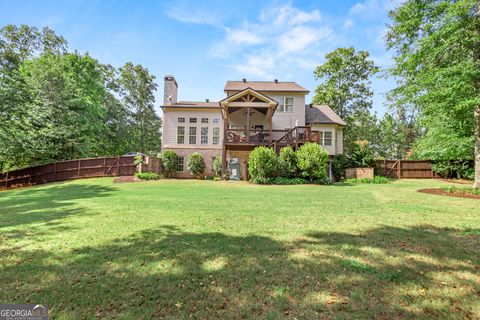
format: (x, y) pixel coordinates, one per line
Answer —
(248, 124)
(224, 161)
(270, 127)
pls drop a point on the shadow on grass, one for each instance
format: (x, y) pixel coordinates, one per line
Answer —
(45, 204)
(171, 274)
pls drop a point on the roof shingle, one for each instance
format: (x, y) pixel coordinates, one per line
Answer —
(322, 114)
(264, 86)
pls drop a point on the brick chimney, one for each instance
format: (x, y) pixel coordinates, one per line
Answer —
(170, 90)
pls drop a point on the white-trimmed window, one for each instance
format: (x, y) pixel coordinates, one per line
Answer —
(193, 120)
(204, 135)
(285, 104)
(215, 120)
(204, 120)
(180, 135)
(181, 120)
(192, 135)
(180, 164)
(325, 138)
(216, 135)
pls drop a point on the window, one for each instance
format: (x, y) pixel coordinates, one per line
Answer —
(216, 135)
(180, 164)
(204, 120)
(327, 138)
(192, 135)
(181, 120)
(216, 120)
(204, 135)
(285, 104)
(180, 135)
(193, 120)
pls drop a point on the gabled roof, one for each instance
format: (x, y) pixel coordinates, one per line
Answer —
(192, 104)
(322, 114)
(270, 86)
(249, 92)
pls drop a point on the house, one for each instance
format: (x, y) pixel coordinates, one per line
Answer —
(253, 113)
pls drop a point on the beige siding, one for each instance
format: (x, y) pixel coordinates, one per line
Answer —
(170, 124)
(207, 153)
(286, 120)
(337, 137)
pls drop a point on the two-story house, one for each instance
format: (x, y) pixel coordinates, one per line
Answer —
(253, 113)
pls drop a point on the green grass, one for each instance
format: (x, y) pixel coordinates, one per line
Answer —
(204, 249)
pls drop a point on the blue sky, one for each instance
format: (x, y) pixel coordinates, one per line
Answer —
(205, 43)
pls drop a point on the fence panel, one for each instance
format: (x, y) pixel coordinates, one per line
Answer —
(407, 169)
(67, 170)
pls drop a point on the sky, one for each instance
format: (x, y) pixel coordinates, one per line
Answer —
(205, 43)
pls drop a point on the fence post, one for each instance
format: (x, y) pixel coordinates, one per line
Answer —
(399, 170)
(118, 164)
(78, 169)
(55, 171)
(104, 165)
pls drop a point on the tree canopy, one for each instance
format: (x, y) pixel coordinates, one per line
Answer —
(58, 105)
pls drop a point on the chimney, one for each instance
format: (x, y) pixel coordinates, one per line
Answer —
(244, 80)
(170, 90)
(207, 100)
(276, 80)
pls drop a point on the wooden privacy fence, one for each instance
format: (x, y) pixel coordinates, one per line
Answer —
(406, 169)
(67, 170)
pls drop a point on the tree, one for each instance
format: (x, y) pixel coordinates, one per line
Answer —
(138, 87)
(362, 155)
(312, 161)
(345, 87)
(195, 164)
(287, 162)
(437, 64)
(262, 164)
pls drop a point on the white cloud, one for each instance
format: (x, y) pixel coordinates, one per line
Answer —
(300, 38)
(243, 37)
(348, 24)
(189, 13)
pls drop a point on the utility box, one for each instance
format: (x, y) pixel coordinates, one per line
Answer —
(234, 169)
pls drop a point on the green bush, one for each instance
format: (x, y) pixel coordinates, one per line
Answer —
(262, 164)
(374, 180)
(169, 163)
(287, 181)
(324, 181)
(459, 169)
(339, 164)
(195, 164)
(312, 161)
(362, 155)
(287, 163)
(461, 190)
(217, 166)
(147, 175)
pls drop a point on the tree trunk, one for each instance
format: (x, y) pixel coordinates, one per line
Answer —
(477, 148)
(477, 108)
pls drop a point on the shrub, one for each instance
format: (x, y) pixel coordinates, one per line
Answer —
(287, 162)
(196, 164)
(362, 155)
(289, 181)
(455, 169)
(217, 166)
(262, 164)
(461, 190)
(169, 163)
(147, 175)
(339, 164)
(324, 181)
(312, 161)
(374, 180)
(138, 160)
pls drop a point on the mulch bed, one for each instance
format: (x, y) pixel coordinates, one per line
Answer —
(440, 192)
(126, 179)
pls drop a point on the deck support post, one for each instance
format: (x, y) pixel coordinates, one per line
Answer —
(248, 124)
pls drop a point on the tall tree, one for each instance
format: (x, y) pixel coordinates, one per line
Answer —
(437, 63)
(345, 86)
(138, 88)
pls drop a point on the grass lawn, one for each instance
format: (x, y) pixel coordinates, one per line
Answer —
(174, 249)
